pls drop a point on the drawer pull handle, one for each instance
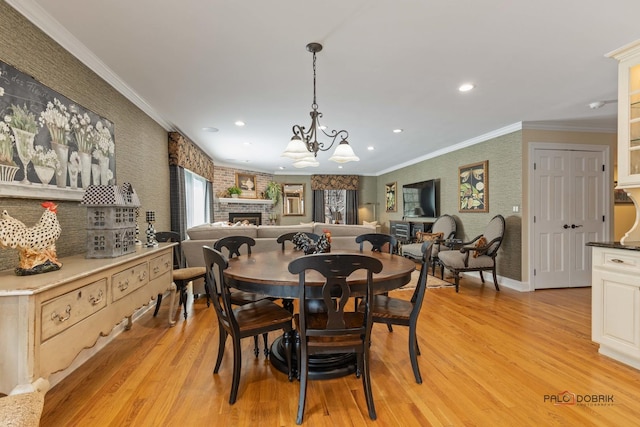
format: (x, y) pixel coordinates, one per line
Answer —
(156, 269)
(167, 264)
(95, 301)
(142, 276)
(123, 285)
(56, 317)
(617, 261)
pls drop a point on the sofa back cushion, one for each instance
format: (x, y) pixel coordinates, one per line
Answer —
(214, 232)
(342, 229)
(274, 231)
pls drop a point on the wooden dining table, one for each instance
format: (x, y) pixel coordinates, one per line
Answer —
(266, 273)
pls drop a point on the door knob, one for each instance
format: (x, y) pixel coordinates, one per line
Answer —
(575, 226)
(565, 226)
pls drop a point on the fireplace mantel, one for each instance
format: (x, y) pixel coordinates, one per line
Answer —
(227, 200)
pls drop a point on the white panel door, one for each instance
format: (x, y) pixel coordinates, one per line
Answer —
(568, 212)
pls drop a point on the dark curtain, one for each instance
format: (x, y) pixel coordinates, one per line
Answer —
(351, 207)
(208, 204)
(177, 199)
(318, 206)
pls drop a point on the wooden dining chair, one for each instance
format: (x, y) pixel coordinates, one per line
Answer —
(234, 245)
(334, 330)
(182, 275)
(248, 320)
(288, 237)
(399, 311)
(380, 242)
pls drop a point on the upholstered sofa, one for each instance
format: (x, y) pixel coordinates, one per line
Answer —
(343, 236)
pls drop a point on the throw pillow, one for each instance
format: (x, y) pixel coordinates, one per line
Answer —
(428, 237)
(373, 224)
(481, 242)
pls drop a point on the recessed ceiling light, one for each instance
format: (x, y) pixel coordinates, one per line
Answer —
(240, 123)
(210, 129)
(246, 143)
(466, 87)
(339, 167)
(370, 148)
(397, 130)
(323, 127)
(281, 168)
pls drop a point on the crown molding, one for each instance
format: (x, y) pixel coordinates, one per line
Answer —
(568, 126)
(464, 144)
(51, 27)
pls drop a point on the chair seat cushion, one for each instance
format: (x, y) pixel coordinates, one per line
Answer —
(414, 250)
(260, 314)
(189, 273)
(455, 260)
(22, 410)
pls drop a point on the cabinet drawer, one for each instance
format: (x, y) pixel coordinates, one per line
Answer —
(621, 260)
(160, 265)
(129, 280)
(68, 309)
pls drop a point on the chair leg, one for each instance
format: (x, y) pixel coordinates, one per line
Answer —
(366, 382)
(298, 355)
(256, 349)
(266, 345)
(304, 368)
(183, 299)
(207, 292)
(456, 276)
(158, 302)
(237, 366)
(495, 278)
(222, 334)
(413, 349)
(481, 276)
(389, 327)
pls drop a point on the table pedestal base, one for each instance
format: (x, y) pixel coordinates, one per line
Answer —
(321, 366)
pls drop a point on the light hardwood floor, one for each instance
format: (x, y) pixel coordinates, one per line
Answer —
(488, 359)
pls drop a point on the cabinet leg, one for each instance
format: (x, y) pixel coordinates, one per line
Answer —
(129, 323)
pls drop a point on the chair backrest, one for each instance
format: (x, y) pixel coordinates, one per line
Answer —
(335, 268)
(377, 240)
(446, 225)
(287, 237)
(179, 260)
(233, 244)
(494, 230)
(216, 263)
(419, 291)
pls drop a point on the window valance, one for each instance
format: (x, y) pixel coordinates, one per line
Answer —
(335, 182)
(184, 153)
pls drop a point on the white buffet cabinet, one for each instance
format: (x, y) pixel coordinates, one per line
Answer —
(47, 319)
(615, 320)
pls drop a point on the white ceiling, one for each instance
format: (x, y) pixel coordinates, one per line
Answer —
(386, 64)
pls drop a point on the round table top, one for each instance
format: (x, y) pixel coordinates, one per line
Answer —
(267, 273)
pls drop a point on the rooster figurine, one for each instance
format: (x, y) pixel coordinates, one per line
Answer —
(37, 244)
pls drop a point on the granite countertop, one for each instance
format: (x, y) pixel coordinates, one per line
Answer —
(630, 246)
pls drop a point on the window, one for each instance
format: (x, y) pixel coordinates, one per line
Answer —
(196, 199)
(334, 206)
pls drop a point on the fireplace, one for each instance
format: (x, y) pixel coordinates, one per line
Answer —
(254, 218)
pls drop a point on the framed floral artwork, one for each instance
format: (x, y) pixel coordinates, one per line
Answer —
(247, 184)
(391, 196)
(50, 147)
(473, 187)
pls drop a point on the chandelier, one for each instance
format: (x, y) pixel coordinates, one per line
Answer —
(304, 146)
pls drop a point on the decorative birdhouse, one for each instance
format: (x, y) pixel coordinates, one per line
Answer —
(111, 220)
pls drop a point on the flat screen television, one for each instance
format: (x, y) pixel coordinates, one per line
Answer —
(421, 199)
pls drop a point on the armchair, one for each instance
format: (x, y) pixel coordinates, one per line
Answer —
(478, 254)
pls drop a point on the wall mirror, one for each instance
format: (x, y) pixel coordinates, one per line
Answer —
(293, 199)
